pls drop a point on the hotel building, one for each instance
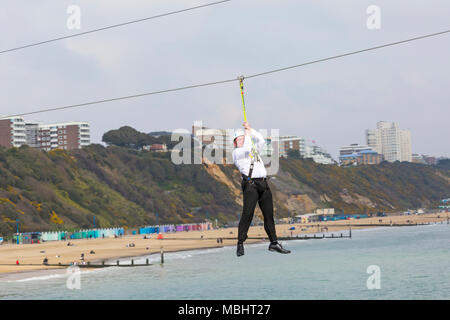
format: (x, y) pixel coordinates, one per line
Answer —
(390, 141)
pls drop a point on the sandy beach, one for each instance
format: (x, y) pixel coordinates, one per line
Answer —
(111, 249)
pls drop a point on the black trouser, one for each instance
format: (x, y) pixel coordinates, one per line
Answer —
(256, 191)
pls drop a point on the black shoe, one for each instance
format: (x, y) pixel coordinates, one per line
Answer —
(278, 248)
(240, 249)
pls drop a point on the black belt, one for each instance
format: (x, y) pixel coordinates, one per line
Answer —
(254, 179)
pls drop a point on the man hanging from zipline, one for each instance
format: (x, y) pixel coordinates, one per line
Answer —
(246, 157)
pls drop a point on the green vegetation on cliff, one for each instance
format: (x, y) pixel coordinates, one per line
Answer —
(120, 187)
(372, 188)
(124, 187)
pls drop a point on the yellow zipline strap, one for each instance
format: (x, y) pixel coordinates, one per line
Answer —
(241, 83)
(254, 152)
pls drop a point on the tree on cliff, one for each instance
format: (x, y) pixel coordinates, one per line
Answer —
(294, 154)
(129, 137)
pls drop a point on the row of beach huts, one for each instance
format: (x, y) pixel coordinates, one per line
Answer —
(38, 237)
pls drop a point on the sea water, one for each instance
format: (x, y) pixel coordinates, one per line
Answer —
(411, 263)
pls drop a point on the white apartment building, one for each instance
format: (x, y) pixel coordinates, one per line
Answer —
(318, 154)
(405, 146)
(314, 152)
(84, 133)
(390, 141)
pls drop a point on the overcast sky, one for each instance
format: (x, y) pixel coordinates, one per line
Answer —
(331, 102)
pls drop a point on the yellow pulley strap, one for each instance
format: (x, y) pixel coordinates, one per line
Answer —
(254, 151)
(241, 83)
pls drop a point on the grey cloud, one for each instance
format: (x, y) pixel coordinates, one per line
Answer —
(332, 103)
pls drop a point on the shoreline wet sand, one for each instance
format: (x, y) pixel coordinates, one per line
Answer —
(112, 249)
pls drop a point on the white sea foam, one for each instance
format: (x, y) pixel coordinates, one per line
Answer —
(38, 278)
(39, 275)
(155, 257)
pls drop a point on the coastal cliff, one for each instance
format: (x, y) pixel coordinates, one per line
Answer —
(63, 190)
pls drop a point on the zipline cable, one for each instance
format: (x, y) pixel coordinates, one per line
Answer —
(112, 26)
(231, 80)
(125, 97)
(348, 54)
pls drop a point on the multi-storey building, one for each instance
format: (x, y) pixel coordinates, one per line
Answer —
(390, 141)
(405, 146)
(355, 154)
(318, 154)
(32, 132)
(212, 138)
(287, 143)
(373, 140)
(12, 132)
(361, 157)
(69, 135)
(15, 132)
(222, 140)
(352, 148)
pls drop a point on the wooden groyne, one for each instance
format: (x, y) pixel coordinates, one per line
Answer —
(88, 265)
(296, 237)
(320, 227)
(323, 236)
(95, 266)
(411, 224)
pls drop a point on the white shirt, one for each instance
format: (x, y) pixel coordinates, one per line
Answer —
(242, 159)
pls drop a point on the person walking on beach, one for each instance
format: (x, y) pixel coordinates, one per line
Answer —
(254, 186)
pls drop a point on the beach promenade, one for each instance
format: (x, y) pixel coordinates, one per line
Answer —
(116, 248)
